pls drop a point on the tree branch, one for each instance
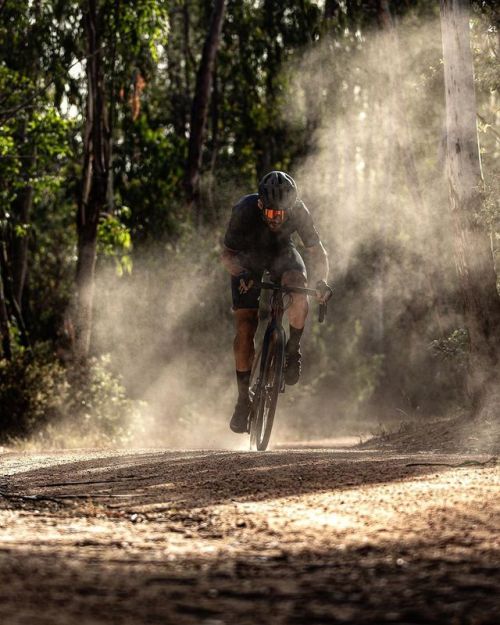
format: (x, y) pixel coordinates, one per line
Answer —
(12, 112)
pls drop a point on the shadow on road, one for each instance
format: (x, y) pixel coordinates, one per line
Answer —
(196, 479)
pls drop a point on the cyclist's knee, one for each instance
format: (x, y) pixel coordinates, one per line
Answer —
(299, 307)
(293, 278)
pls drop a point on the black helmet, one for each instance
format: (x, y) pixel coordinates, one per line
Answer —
(278, 190)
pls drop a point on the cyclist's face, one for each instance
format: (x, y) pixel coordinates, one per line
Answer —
(274, 218)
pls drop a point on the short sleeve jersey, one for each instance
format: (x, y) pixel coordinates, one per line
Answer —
(248, 232)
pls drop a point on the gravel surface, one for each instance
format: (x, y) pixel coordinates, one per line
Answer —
(218, 537)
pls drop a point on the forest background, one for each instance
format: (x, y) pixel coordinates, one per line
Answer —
(127, 132)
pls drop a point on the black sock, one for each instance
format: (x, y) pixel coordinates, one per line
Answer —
(294, 340)
(243, 379)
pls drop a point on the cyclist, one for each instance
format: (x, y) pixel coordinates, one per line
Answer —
(258, 238)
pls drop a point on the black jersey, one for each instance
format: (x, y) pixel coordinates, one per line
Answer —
(248, 232)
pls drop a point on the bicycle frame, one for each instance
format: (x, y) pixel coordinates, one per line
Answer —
(277, 312)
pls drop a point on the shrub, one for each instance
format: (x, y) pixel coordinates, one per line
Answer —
(32, 391)
(44, 401)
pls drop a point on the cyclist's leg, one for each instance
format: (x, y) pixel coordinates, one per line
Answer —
(290, 268)
(246, 321)
(246, 310)
(299, 307)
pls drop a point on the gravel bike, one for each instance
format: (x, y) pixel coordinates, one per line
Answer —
(267, 376)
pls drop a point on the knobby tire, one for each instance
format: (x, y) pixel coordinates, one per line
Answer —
(264, 392)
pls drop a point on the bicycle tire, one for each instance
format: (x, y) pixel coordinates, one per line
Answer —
(266, 391)
(253, 391)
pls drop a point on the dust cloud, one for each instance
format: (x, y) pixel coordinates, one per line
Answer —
(375, 182)
(169, 326)
(376, 175)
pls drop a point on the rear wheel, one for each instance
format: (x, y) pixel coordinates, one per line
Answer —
(265, 385)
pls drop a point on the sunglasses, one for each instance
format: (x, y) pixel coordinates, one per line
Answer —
(272, 214)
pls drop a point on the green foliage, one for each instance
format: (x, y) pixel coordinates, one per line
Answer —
(259, 42)
(114, 241)
(31, 393)
(50, 132)
(42, 400)
(141, 30)
(96, 408)
(149, 165)
(34, 149)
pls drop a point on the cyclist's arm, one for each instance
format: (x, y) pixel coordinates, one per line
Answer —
(231, 261)
(317, 260)
(315, 254)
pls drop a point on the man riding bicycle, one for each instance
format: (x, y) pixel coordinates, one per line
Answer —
(258, 238)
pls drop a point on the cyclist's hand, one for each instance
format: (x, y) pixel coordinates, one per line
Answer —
(323, 292)
(246, 283)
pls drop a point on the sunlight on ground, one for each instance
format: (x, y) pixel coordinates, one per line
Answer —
(368, 514)
(377, 509)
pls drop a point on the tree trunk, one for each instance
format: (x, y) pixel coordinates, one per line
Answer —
(4, 322)
(8, 294)
(23, 203)
(186, 46)
(214, 123)
(473, 251)
(21, 212)
(199, 111)
(332, 8)
(214, 144)
(94, 182)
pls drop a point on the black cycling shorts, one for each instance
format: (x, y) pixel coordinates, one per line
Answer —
(287, 260)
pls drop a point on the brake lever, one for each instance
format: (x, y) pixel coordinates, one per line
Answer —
(323, 307)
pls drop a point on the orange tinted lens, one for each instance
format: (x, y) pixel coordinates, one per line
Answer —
(274, 215)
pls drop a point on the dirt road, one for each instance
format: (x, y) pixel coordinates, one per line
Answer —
(219, 537)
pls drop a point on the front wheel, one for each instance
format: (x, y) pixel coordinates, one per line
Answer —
(266, 382)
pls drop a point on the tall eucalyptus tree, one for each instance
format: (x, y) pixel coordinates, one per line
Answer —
(120, 40)
(95, 175)
(473, 250)
(201, 100)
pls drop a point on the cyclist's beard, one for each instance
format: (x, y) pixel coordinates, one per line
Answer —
(274, 226)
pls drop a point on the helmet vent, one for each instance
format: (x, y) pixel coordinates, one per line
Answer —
(278, 189)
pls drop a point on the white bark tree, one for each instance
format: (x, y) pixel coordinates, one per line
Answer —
(473, 250)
